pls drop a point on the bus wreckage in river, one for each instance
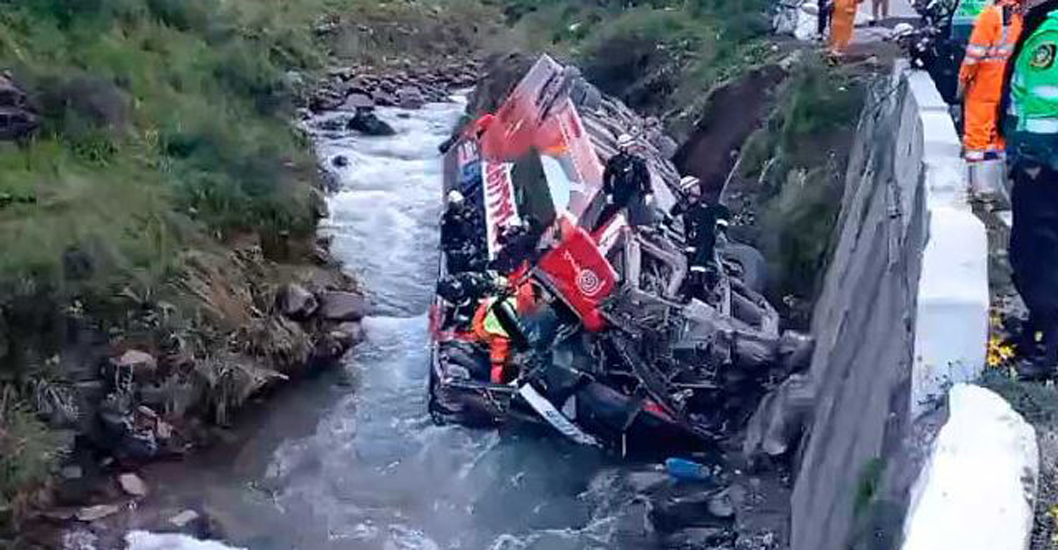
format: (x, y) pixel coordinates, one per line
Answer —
(613, 353)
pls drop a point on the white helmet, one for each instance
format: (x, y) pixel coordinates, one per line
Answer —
(624, 141)
(455, 197)
(689, 183)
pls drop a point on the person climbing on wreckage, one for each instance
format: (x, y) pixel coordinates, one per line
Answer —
(625, 181)
(703, 222)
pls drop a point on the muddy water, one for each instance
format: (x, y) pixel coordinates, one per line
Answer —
(360, 465)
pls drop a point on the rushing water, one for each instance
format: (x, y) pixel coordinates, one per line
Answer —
(360, 465)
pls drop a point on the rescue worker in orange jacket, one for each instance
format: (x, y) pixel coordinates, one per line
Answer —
(490, 329)
(842, 21)
(994, 36)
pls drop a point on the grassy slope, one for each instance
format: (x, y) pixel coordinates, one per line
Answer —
(165, 137)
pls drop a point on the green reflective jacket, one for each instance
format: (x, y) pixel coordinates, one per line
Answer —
(1032, 135)
(1034, 86)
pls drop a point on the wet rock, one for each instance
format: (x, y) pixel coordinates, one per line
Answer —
(633, 525)
(100, 511)
(776, 425)
(340, 161)
(410, 98)
(370, 125)
(297, 303)
(342, 306)
(350, 333)
(356, 101)
(384, 98)
(132, 484)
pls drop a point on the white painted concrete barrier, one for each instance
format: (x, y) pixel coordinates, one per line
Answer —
(951, 317)
(978, 487)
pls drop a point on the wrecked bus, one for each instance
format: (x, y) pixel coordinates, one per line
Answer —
(613, 354)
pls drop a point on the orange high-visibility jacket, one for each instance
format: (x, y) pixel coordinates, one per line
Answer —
(995, 34)
(991, 44)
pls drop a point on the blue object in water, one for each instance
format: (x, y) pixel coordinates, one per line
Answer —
(688, 470)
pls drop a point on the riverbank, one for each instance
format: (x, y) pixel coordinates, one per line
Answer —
(158, 216)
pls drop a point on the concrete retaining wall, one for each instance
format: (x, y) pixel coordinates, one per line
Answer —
(902, 318)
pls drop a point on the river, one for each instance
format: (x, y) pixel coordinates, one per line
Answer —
(353, 461)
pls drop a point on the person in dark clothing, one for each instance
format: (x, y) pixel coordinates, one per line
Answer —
(1034, 259)
(459, 238)
(625, 179)
(701, 222)
(823, 18)
(1030, 126)
(517, 243)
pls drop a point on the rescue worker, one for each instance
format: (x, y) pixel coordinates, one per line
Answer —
(842, 21)
(625, 180)
(995, 33)
(458, 235)
(1031, 129)
(702, 221)
(497, 322)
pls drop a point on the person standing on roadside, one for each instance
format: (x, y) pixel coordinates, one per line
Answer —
(823, 18)
(879, 10)
(996, 32)
(842, 21)
(1031, 131)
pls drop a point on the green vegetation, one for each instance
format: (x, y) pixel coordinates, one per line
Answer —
(798, 158)
(659, 56)
(165, 136)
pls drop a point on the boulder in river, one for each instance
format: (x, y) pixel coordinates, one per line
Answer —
(369, 124)
(356, 101)
(350, 333)
(342, 306)
(410, 97)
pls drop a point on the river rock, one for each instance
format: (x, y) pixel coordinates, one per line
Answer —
(384, 98)
(132, 484)
(97, 512)
(369, 124)
(297, 303)
(350, 333)
(142, 365)
(342, 306)
(340, 161)
(355, 101)
(410, 98)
